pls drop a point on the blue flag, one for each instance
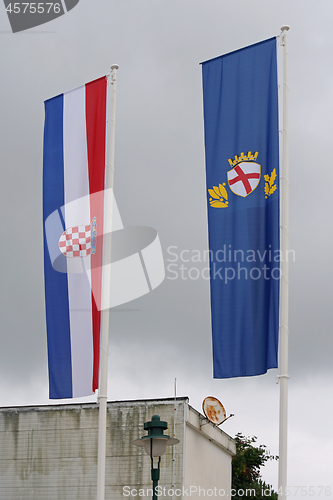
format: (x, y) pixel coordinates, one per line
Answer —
(240, 95)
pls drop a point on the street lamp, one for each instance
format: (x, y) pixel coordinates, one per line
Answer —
(155, 443)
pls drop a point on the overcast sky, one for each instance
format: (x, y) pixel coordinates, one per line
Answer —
(160, 182)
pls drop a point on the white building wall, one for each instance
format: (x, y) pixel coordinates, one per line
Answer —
(50, 453)
(208, 453)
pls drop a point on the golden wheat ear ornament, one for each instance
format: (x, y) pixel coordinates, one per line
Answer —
(219, 196)
(270, 187)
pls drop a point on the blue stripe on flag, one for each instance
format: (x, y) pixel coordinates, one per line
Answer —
(56, 287)
(241, 115)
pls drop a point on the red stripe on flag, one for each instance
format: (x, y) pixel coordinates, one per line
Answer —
(96, 129)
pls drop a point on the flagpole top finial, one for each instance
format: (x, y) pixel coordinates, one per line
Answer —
(285, 28)
(114, 66)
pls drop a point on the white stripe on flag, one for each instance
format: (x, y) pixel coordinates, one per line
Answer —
(77, 212)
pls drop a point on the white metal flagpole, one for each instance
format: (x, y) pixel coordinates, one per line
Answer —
(284, 293)
(103, 378)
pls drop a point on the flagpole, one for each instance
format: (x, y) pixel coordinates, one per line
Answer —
(284, 330)
(103, 380)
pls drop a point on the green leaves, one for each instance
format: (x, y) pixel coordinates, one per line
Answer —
(246, 466)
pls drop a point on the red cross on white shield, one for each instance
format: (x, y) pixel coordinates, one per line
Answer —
(244, 178)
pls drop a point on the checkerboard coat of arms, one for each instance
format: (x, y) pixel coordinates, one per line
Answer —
(79, 241)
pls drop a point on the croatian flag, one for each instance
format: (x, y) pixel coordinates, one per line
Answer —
(240, 94)
(73, 208)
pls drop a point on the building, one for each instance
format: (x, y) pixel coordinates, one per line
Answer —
(50, 452)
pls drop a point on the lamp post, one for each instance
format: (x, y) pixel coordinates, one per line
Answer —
(155, 443)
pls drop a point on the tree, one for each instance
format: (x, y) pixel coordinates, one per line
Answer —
(246, 469)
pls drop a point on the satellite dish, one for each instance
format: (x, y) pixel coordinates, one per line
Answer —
(214, 410)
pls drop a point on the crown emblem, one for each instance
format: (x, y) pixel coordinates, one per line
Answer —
(243, 157)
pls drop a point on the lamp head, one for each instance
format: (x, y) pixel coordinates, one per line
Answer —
(155, 442)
